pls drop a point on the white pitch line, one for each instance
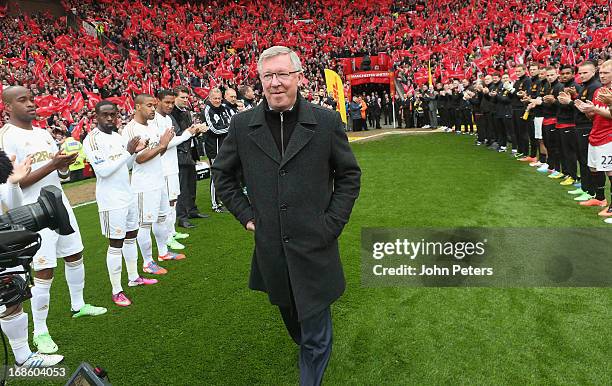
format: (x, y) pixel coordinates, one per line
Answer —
(83, 204)
(357, 139)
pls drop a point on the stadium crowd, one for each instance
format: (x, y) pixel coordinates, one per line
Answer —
(147, 46)
(536, 75)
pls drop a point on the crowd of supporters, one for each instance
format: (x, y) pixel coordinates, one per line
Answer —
(145, 46)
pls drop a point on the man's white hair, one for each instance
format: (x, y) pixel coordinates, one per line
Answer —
(279, 50)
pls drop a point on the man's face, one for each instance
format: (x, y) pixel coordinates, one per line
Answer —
(542, 74)
(505, 78)
(280, 86)
(520, 71)
(249, 94)
(534, 70)
(586, 73)
(147, 108)
(552, 75)
(488, 79)
(566, 75)
(22, 106)
(605, 75)
(181, 99)
(215, 99)
(230, 96)
(167, 104)
(495, 78)
(107, 118)
(465, 83)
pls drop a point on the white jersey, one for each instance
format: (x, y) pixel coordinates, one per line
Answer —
(109, 158)
(149, 175)
(10, 196)
(41, 146)
(169, 158)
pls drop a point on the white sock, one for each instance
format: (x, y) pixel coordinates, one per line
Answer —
(171, 222)
(114, 266)
(16, 329)
(145, 243)
(160, 230)
(40, 304)
(130, 254)
(75, 277)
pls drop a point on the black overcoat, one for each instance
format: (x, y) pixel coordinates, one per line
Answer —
(299, 203)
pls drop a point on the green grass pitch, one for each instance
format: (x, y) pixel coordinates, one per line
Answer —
(202, 325)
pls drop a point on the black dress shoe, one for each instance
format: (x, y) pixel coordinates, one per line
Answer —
(199, 215)
(185, 224)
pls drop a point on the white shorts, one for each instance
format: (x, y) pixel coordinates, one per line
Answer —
(537, 124)
(600, 157)
(152, 206)
(54, 246)
(116, 223)
(173, 186)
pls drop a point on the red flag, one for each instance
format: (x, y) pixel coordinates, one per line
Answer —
(202, 92)
(78, 129)
(92, 99)
(67, 116)
(100, 82)
(77, 72)
(77, 102)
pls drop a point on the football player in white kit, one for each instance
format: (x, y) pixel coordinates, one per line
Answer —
(148, 183)
(19, 138)
(13, 320)
(163, 120)
(110, 154)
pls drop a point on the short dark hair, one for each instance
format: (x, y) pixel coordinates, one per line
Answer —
(549, 68)
(161, 94)
(588, 63)
(521, 65)
(567, 67)
(180, 89)
(6, 167)
(103, 103)
(242, 89)
(140, 98)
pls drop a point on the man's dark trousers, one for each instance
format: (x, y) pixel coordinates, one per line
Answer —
(185, 205)
(314, 336)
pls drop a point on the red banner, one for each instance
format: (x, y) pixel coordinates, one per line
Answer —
(370, 77)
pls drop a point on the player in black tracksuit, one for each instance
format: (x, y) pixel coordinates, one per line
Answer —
(590, 83)
(521, 86)
(566, 125)
(217, 117)
(552, 137)
(532, 93)
(455, 109)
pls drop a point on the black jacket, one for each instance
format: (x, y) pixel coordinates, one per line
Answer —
(186, 154)
(565, 113)
(522, 84)
(300, 202)
(587, 92)
(549, 110)
(537, 85)
(217, 119)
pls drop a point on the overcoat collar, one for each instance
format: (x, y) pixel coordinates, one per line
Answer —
(302, 134)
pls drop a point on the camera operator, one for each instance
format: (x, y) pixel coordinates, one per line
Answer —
(13, 320)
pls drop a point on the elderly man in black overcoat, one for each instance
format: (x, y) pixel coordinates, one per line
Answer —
(302, 181)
